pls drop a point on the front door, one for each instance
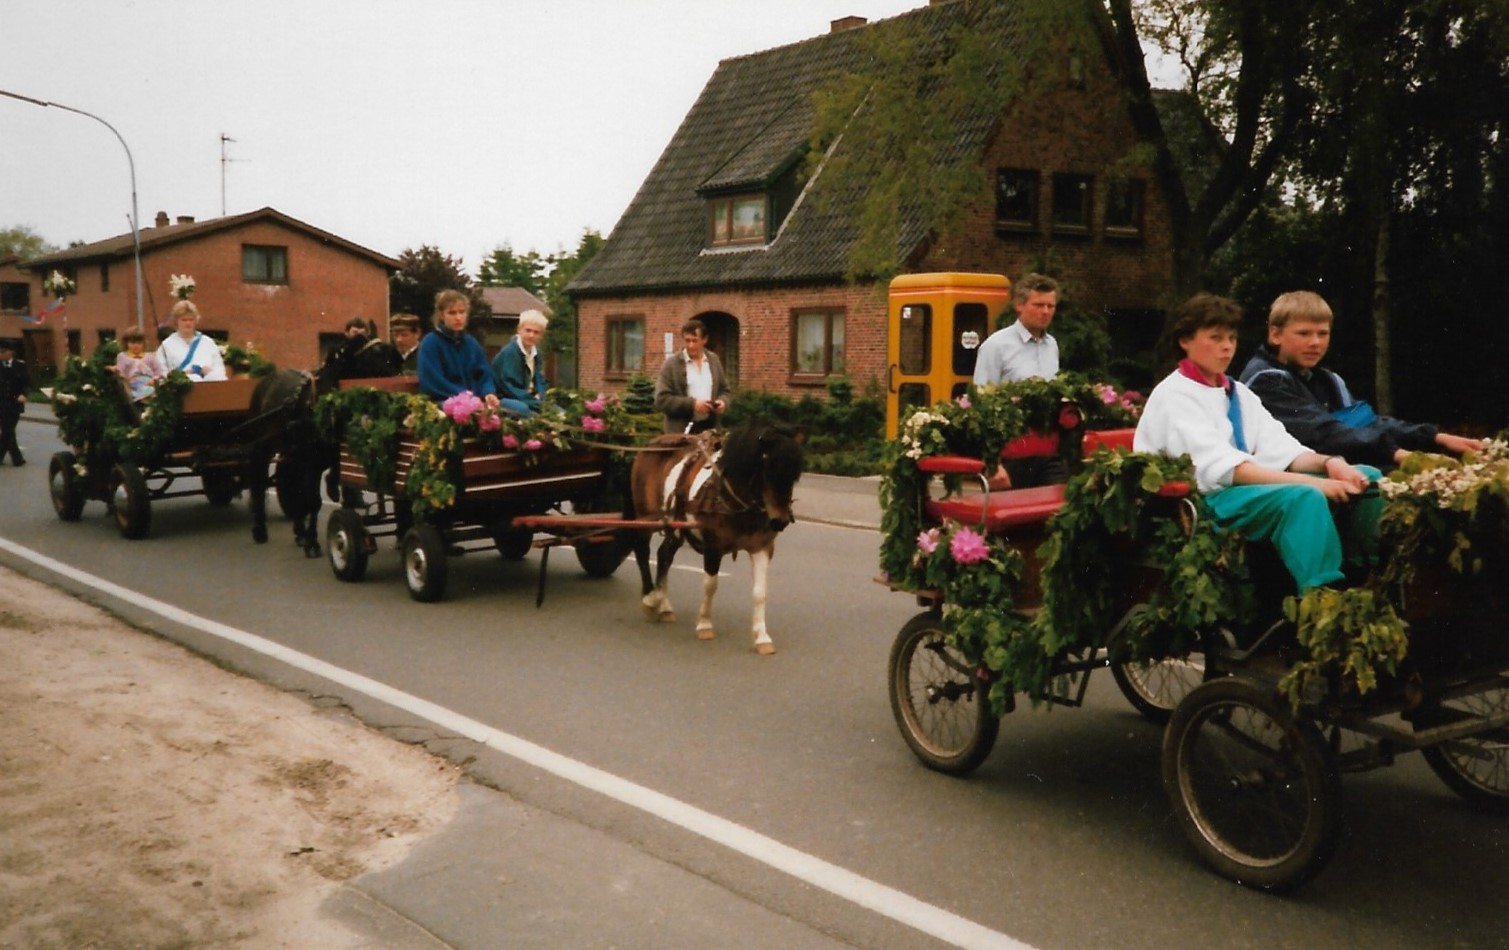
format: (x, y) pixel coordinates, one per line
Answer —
(723, 339)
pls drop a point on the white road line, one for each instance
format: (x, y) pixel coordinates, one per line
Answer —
(871, 895)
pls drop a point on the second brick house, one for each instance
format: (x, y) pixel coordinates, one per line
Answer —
(263, 278)
(725, 229)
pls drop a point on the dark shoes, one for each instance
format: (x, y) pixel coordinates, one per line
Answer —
(18, 461)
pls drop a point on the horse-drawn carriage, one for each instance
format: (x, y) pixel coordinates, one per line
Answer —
(441, 491)
(1027, 592)
(210, 439)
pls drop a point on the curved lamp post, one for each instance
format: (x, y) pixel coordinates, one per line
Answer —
(135, 227)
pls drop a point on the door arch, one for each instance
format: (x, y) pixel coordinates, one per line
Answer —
(723, 339)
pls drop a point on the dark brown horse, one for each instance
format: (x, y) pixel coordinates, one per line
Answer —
(283, 426)
(735, 489)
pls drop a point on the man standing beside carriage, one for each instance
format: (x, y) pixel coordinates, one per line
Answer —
(691, 390)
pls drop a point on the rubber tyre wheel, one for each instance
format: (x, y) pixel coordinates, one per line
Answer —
(1155, 687)
(601, 558)
(1255, 790)
(939, 704)
(1475, 767)
(424, 563)
(63, 485)
(220, 490)
(514, 543)
(346, 545)
(129, 501)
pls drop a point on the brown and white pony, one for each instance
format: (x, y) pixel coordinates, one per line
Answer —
(735, 489)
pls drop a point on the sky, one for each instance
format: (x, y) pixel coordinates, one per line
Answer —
(461, 124)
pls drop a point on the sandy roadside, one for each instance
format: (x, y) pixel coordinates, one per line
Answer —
(150, 798)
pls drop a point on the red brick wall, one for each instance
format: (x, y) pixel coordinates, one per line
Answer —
(326, 285)
(1078, 131)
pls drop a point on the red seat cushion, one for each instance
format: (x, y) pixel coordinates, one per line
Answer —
(1110, 438)
(1012, 508)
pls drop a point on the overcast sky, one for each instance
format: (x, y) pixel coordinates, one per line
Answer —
(464, 124)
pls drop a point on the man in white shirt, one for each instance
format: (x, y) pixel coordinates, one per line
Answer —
(1025, 349)
(691, 391)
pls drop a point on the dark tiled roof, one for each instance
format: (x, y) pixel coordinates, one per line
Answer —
(750, 123)
(512, 301)
(157, 237)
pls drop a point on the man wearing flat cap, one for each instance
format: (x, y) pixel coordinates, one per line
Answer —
(404, 328)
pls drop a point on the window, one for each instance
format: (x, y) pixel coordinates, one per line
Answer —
(1124, 207)
(971, 327)
(15, 296)
(264, 264)
(916, 332)
(737, 220)
(1016, 199)
(1071, 202)
(104, 278)
(817, 343)
(625, 345)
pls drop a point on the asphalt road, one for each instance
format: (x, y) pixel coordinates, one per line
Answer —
(1063, 839)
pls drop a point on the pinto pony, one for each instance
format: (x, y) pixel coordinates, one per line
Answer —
(736, 491)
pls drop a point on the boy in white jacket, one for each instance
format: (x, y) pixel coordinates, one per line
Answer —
(1257, 479)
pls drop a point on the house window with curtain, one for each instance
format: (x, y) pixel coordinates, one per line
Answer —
(625, 345)
(736, 220)
(817, 347)
(264, 264)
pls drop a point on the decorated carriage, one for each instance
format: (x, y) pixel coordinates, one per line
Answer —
(1267, 698)
(189, 439)
(456, 479)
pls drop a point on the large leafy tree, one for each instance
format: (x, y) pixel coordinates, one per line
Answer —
(23, 242)
(422, 274)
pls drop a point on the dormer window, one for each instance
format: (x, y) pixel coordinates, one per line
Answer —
(737, 219)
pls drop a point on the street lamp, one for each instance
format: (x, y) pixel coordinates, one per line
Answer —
(135, 229)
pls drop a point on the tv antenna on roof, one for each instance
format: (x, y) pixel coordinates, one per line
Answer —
(224, 160)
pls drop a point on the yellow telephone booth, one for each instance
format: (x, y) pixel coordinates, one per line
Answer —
(936, 325)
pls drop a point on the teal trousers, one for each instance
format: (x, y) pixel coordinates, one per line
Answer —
(1299, 522)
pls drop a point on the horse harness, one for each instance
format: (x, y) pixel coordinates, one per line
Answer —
(687, 488)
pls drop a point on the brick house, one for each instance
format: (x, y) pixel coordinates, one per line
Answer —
(262, 278)
(724, 229)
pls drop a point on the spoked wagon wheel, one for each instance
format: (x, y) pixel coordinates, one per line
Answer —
(346, 544)
(601, 558)
(63, 484)
(1476, 767)
(1255, 790)
(424, 564)
(939, 703)
(1155, 687)
(129, 501)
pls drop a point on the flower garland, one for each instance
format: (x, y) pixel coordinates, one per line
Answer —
(95, 416)
(370, 423)
(1448, 513)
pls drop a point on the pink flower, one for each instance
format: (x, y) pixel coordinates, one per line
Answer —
(510, 441)
(489, 422)
(597, 406)
(1107, 393)
(963, 401)
(927, 541)
(968, 547)
(593, 423)
(461, 406)
(533, 445)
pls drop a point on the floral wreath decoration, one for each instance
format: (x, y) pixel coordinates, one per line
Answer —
(59, 284)
(95, 416)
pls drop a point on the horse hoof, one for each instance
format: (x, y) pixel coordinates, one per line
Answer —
(765, 649)
(668, 617)
(651, 612)
(259, 536)
(313, 550)
(705, 633)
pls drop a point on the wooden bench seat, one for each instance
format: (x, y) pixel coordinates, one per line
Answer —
(999, 510)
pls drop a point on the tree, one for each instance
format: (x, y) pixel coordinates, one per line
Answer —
(422, 274)
(562, 335)
(23, 242)
(504, 268)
